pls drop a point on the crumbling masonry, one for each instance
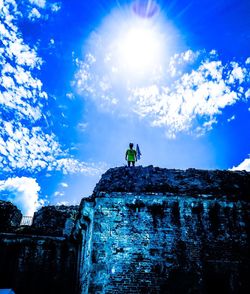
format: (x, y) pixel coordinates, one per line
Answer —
(144, 230)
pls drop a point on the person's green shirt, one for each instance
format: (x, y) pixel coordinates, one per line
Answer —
(131, 155)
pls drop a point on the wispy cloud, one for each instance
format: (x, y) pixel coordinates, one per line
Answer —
(58, 193)
(23, 192)
(34, 14)
(71, 165)
(56, 6)
(82, 126)
(231, 118)
(21, 147)
(39, 3)
(39, 9)
(65, 203)
(193, 101)
(26, 141)
(64, 185)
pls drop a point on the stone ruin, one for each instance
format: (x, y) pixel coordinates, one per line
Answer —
(143, 230)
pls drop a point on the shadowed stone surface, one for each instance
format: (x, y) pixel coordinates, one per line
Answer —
(144, 230)
(191, 181)
(151, 243)
(153, 230)
(54, 219)
(42, 258)
(38, 264)
(10, 215)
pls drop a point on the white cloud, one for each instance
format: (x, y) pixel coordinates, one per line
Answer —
(34, 13)
(64, 185)
(244, 165)
(188, 96)
(58, 194)
(25, 140)
(237, 74)
(192, 102)
(55, 7)
(177, 61)
(39, 3)
(70, 96)
(65, 203)
(34, 150)
(31, 149)
(21, 91)
(23, 192)
(70, 165)
(231, 118)
(83, 126)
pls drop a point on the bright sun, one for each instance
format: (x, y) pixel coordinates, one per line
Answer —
(139, 48)
(131, 46)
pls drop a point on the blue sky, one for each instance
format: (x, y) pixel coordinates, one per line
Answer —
(79, 80)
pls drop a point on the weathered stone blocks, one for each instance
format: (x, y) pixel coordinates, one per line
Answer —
(55, 220)
(191, 181)
(144, 230)
(10, 215)
(169, 231)
(151, 243)
(42, 258)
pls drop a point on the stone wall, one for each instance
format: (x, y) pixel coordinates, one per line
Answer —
(41, 258)
(153, 243)
(55, 220)
(38, 264)
(144, 230)
(185, 182)
(10, 215)
(152, 230)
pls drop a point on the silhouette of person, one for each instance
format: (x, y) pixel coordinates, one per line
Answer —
(131, 155)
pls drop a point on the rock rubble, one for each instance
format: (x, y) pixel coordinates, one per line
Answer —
(161, 180)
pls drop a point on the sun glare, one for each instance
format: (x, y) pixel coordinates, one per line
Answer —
(132, 45)
(139, 48)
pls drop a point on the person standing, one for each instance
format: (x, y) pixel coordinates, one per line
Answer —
(130, 155)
